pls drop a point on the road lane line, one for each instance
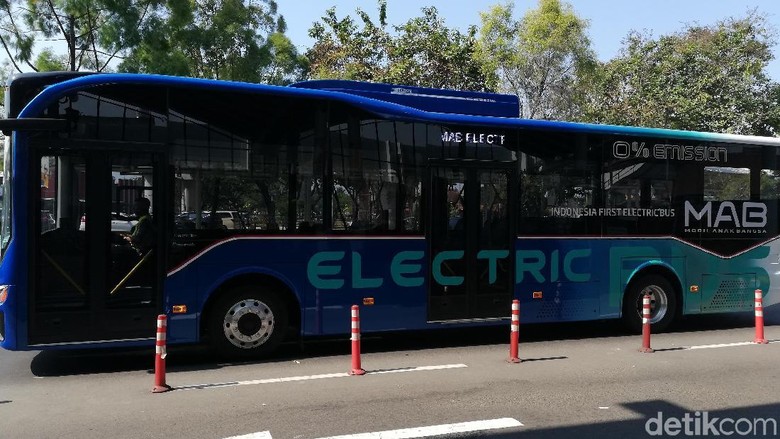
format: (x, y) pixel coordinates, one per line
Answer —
(416, 369)
(726, 345)
(314, 377)
(435, 430)
(258, 435)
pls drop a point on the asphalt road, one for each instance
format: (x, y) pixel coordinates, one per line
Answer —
(576, 380)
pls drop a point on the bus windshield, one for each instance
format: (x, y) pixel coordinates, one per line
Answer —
(5, 198)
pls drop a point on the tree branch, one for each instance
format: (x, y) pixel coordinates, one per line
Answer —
(57, 19)
(92, 29)
(10, 56)
(15, 31)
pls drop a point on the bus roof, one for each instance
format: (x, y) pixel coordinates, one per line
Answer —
(370, 98)
(426, 99)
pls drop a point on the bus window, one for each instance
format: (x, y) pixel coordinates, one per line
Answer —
(726, 184)
(554, 191)
(228, 181)
(376, 179)
(62, 256)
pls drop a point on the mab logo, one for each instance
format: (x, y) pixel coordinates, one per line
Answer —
(726, 214)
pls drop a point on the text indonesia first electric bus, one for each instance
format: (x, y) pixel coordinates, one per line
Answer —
(274, 209)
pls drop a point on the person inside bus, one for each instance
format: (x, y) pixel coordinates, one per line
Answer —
(382, 222)
(456, 216)
(141, 235)
(495, 228)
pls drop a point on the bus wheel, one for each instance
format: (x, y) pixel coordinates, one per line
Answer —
(663, 303)
(249, 321)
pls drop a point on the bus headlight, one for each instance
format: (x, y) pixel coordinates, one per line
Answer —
(3, 293)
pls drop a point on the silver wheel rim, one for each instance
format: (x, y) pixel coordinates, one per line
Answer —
(659, 303)
(248, 324)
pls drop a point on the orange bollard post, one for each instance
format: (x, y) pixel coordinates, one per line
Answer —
(355, 337)
(759, 319)
(159, 356)
(514, 334)
(646, 325)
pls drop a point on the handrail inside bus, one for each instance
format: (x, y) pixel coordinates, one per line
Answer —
(130, 273)
(63, 273)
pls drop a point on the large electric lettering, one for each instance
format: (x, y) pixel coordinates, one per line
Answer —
(329, 270)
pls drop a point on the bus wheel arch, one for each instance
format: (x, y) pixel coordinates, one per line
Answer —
(260, 306)
(665, 291)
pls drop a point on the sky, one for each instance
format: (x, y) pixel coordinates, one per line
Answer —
(610, 21)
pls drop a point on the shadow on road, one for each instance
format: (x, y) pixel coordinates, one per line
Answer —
(184, 358)
(653, 417)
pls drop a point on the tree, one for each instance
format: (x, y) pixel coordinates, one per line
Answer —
(427, 53)
(703, 78)
(543, 58)
(218, 39)
(422, 51)
(344, 50)
(221, 39)
(94, 32)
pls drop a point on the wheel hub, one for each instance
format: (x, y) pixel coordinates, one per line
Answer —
(248, 323)
(659, 303)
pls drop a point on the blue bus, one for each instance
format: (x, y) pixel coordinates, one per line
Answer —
(250, 214)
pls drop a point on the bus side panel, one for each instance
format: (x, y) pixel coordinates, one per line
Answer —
(555, 279)
(181, 290)
(327, 276)
(624, 260)
(771, 265)
(14, 309)
(558, 280)
(728, 284)
(392, 273)
(558, 267)
(15, 269)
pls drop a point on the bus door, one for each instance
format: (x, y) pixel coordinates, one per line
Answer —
(471, 235)
(98, 247)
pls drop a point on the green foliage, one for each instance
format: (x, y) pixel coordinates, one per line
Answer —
(218, 39)
(770, 184)
(48, 61)
(18, 43)
(703, 78)
(221, 39)
(543, 58)
(343, 50)
(427, 53)
(4, 73)
(94, 31)
(422, 51)
(723, 184)
(285, 64)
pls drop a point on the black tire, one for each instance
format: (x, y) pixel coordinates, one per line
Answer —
(663, 303)
(248, 321)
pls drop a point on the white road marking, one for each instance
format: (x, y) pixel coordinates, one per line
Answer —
(315, 377)
(435, 430)
(725, 345)
(416, 369)
(258, 435)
